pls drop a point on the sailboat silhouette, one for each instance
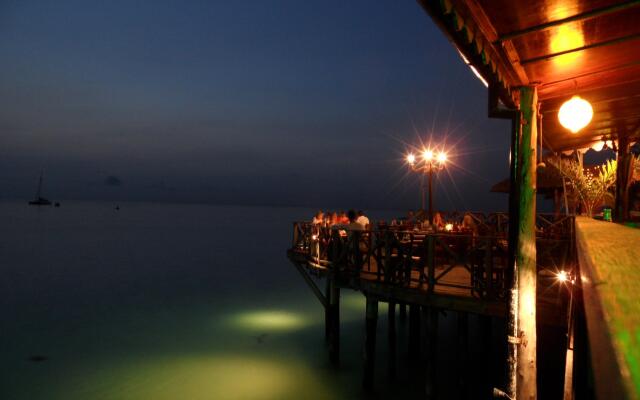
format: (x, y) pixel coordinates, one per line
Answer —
(39, 200)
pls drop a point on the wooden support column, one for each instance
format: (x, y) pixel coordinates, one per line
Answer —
(622, 180)
(391, 337)
(414, 332)
(334, 318)
(432, 356)
(463, 355)
(511, 275)
(403, 311)
(370, 343)
(526, 250)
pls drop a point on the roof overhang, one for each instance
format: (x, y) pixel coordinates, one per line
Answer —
(564, 48)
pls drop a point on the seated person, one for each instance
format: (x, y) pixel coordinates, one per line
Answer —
(469, 224)
(363, 220)
(438, 222)
(318, 219)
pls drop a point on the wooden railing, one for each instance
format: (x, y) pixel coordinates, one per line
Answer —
(432, 261)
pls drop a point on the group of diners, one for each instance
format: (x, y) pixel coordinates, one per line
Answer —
(419, 221)
(351, 220)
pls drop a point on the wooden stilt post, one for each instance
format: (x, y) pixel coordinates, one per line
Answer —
(327, 313)
(391, 337)
(414, 332)
(526, 250)
(622, 180)
(403, 311)
(463, 354)
(334, 318)
(370, 343)
(487, 355)
(432, 345)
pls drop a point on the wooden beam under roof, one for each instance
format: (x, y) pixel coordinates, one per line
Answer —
(613, 8)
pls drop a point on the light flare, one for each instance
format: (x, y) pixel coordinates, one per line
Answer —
(562, 276)
(575, 114)
(427, 155)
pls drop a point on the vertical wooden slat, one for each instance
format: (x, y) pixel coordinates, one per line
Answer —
(431, 264)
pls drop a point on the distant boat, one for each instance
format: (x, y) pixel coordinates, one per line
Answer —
(39, 200)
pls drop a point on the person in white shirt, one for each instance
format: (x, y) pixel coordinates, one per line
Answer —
(362, 220)
(318, 218)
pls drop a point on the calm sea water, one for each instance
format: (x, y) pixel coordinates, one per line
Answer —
(161, 302)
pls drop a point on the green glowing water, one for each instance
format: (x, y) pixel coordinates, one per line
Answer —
(167, 302)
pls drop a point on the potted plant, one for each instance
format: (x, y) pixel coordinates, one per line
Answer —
(591, 185)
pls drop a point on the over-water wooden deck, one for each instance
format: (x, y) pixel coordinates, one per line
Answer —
(458, 271)
(429, 272)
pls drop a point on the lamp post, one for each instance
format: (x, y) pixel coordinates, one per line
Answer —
(427, 164)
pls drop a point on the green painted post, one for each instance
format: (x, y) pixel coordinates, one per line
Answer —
(511, 276)
(526, 367)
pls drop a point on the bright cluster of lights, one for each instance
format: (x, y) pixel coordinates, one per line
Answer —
(565, 277)
(428, 156)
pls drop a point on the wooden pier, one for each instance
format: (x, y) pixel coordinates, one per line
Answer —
(429, 272)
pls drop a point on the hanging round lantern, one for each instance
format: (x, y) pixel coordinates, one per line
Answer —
(597, 146)
(575, 114)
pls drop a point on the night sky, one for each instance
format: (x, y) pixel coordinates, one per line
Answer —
(239, 102)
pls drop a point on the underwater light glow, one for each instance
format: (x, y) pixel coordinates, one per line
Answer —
(270, 320)
(223, 376)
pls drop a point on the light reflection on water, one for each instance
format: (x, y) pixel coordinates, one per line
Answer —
(219, 376)
(154, 302)
(269, 320)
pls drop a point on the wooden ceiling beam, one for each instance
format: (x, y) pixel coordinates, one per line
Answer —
(611, 42)
(589, 74)
(578, 17)
(627, 91)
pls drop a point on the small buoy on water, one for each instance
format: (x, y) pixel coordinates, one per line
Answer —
(56, 204)
(117, 208)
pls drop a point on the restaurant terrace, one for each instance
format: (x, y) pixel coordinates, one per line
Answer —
(567, 76)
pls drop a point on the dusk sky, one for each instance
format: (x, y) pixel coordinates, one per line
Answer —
(239, 102)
